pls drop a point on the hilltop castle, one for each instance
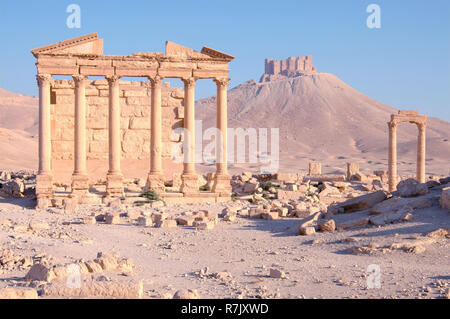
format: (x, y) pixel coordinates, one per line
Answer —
(292, 66)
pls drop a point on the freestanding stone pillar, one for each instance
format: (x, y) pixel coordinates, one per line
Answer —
(114, 186)
(80, 181)
(421, 153)
(421, 122)
(44, 179)
(155, 179)
(222, 178)
(392, 161)
(189, 178)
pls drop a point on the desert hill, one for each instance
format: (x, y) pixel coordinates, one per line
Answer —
(19, 123)
(19, 112)
(322, 118)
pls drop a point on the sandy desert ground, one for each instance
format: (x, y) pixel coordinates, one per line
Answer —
(248, 250)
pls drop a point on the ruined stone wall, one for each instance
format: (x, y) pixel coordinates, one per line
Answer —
(135, 104)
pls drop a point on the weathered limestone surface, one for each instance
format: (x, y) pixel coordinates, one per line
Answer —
(18, 293)
(410, 187)
(394, 204)
(135, 113)
(362, 202)
(315, 168)
(105, 289)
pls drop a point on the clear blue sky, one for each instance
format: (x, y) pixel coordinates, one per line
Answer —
(405, 63)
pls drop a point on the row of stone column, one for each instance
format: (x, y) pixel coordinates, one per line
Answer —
(392, 161)
(114, 177)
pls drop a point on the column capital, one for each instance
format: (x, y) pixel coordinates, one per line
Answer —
(112, 79)
(222, 81)
(79, 79)
(43, 79)
(392, 125)
(190, 81)
(156, 80)
(421, 125)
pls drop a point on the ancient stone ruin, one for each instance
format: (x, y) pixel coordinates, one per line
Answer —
(293, 66)
(421, 122)
(109, 119)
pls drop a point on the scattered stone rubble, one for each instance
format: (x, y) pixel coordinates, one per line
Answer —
(416, 245)
(310, 196)
(44, 271)
(316, 200)
(17, 184)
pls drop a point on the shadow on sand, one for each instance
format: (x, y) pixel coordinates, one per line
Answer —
(19, 202)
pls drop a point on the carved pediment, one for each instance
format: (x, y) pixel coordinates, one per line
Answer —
(88, 44)
(217, 54)
(176, 50)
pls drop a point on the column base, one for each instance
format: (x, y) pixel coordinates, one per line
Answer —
(44, 186)
(80, 183)
(155, 182)
(222, 185)
(114, 185)
(189, 184)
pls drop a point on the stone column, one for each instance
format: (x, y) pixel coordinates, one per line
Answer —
(421, 153)
(114, 187)
(80, 181)
(155, 179)
(352, 169)
(44, 179)
(222, 179)
(189, 178)
(392, 162)
(315, 168)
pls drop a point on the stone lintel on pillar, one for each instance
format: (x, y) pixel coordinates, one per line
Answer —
(96, 71)
(58, 70)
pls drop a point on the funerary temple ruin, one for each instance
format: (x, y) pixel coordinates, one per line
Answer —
(104, 118)
(421, 122)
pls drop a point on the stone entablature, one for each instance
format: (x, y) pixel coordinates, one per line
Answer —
(177, 62)
(83, 57)
(290, 67)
